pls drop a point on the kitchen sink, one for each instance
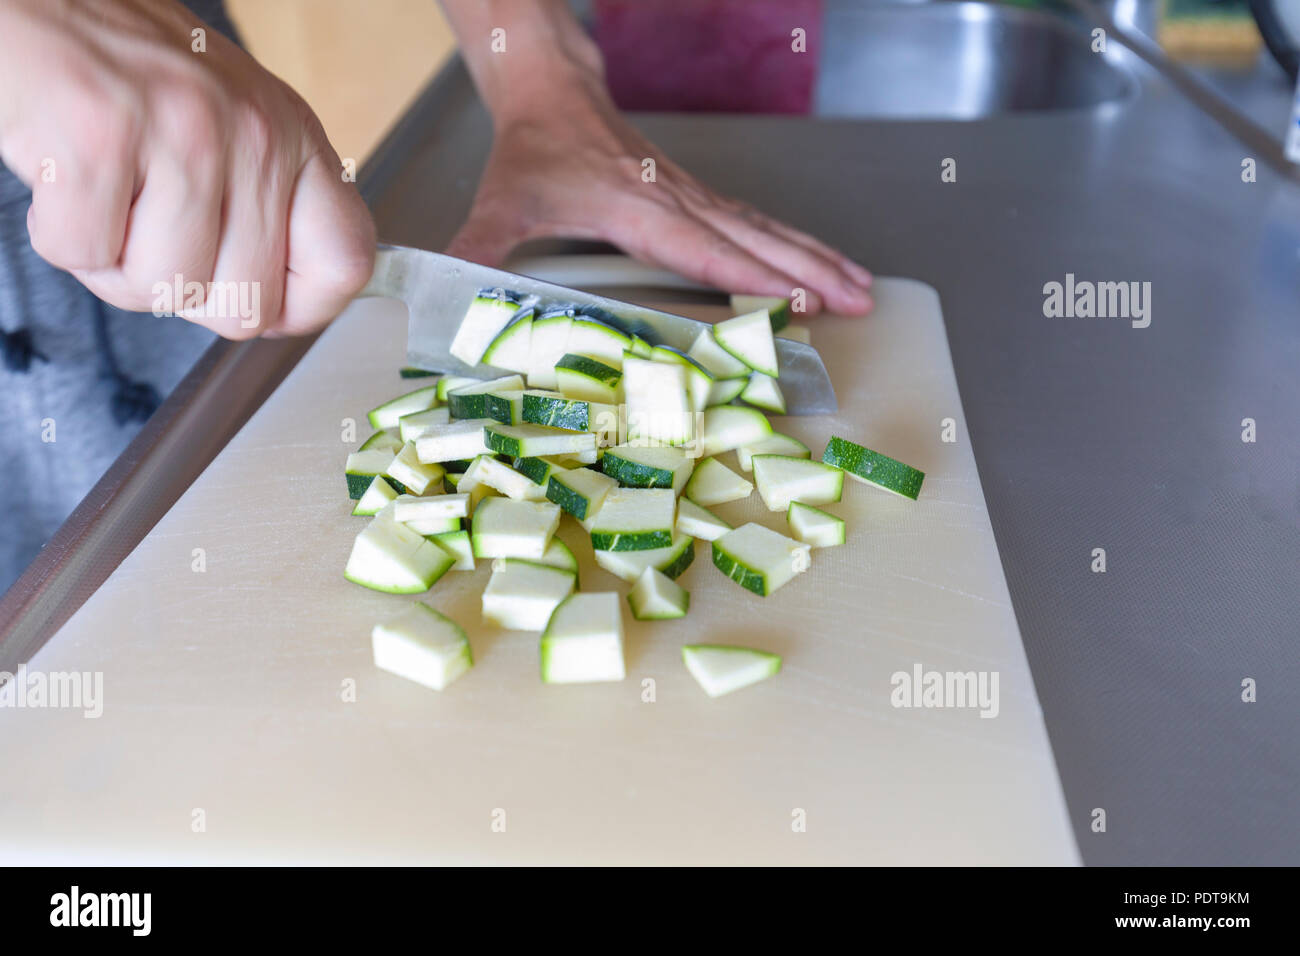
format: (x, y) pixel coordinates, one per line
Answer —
(958, 60)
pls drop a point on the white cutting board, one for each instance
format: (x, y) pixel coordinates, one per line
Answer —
(225, 735)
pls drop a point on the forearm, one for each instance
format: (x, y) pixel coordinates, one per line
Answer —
(542, 53)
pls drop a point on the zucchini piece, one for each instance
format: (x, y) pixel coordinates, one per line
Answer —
(376, 497)
(658, 410)
(634, 519)
(874, 468)
(717, 360)
(383, 439)
(640, 347)
(423, 646)
(579, 491)
(522, 595)
(415, 475)
(457, 544)
(407, 508)
(550, 336)
(597, 340)
(721, 669)
(533, 441)
(390, 413)
(731, 426)
(777, 308)
(470, 401)
(449, 383)
(763, 392)
(630, 565)
(511, 350)
(580, 376)
(724, 390)
(698, 379)
(363, 466)
(487, 315)
(453, 441)
(657, 597)
(815, 527)
(759, 559)
(749, 338)
(557, 411)
(782, 480)
(389, 556)
(432, 527)
(698, 522)
(501, 477)
(410, 371)
(713, 483)
(539, 470)
(558, 555)
(796, 333)
(412, 426)
(504, 528)
(775, 444)
(636, 466)
(583, 642)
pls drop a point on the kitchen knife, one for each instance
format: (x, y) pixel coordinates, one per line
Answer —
(438, 289)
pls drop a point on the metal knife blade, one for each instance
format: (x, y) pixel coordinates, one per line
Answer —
(437, 290)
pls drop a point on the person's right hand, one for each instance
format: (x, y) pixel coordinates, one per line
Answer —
(148, 159)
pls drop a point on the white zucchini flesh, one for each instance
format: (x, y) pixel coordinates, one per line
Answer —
(656, 597)
(630, 565)
(724, 390)
(777, 307)
(376, 497)
(731, 426)
(775, 444)
(431, 527)
(749, 338)
(782, 480)
(389, 556)
(453, 441)
(698, 379)
(416, 475)
(763, 392)
(759, 559)
(658, 410)
(501, 477)
(597, 340)
(390, 413)
(504, 528)
(719, 362)
(449, 383)
(521, 595)
(583, 642)
(713, 483)
(423, 646)
(486, 316)
(457, 544)
(385, 438)
(534, 441)
(511, 350)
(796, 333)
(648, 466)
(815, 527)
(580, 491)
(411, 427)
(699, 522)
(559, 555)
(721, 669)
(634, 519)
(410, 508)
(550, 335)
(588, 379)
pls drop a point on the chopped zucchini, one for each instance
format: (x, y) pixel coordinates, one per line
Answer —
(583, 642)
(630, 565)
(389, 556)
(579, 491)
(874, 468)
(407, 508)
(713, 483)
(423, 646)
(589, 379)
(550, 335)
(731, 426)
(470, 401)
(763, 392)
(457, 544)
(383, 439)
(749, 338)
(597, 340)
(774, 444)
(636, 466)
(504, 528)
(412, 473)
(657, 597)
(453, 441)
(634, 519)
(390, 413)
(486, 316)
(376, 497)
(759, 559)
(777, 308)
(815, 527)
(521, 595)
(721, 669)
(363, 466)
(412, 426)
(511, 350)
(658, 410)
(698, 522)
(501, 477)
(719, 362)
(782, 480)
(724, 390)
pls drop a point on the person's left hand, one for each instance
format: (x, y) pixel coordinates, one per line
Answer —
(574, 169)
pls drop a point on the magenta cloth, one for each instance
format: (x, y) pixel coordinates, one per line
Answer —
(732, 56)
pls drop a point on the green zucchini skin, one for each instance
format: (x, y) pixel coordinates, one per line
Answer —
(871, 466)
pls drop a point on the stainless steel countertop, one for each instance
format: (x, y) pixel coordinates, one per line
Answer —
(1088, 433)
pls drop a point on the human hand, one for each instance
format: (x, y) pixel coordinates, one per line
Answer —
(149, 158)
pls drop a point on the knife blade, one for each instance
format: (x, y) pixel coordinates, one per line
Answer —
(438, 289)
